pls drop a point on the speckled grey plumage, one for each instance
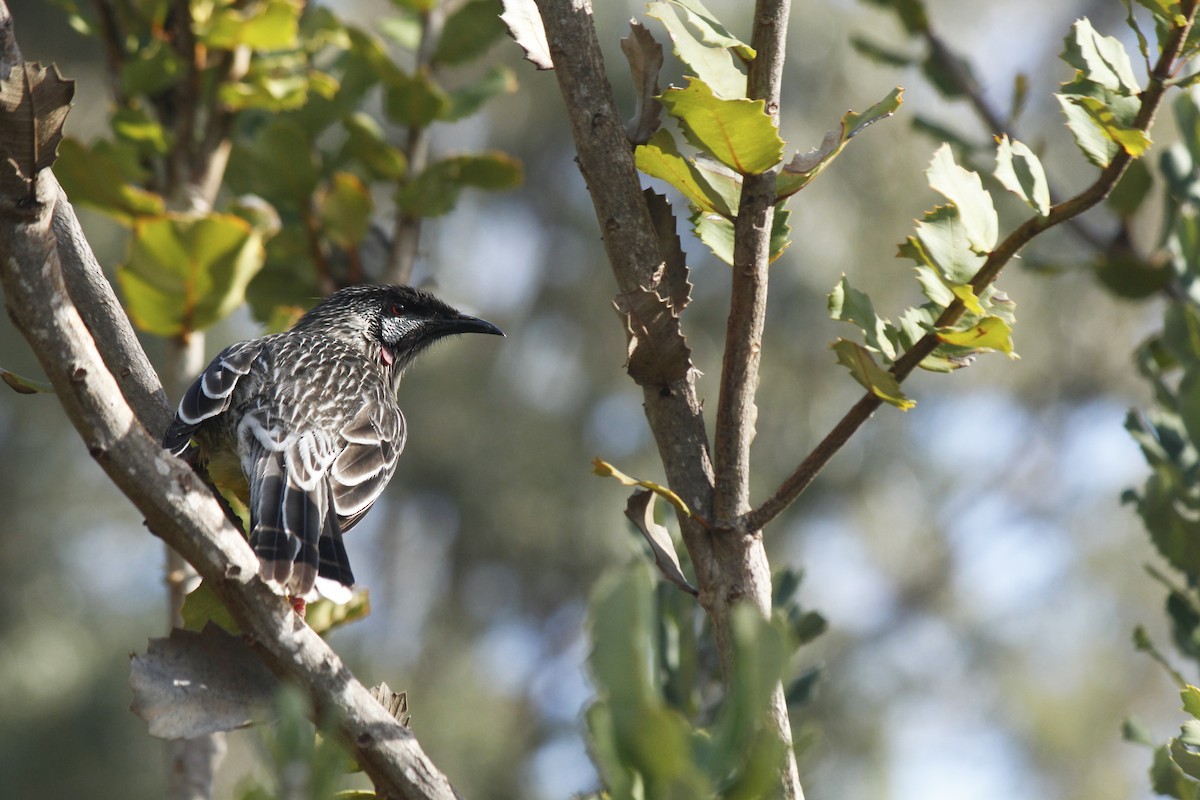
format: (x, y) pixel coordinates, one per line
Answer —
(309, 419)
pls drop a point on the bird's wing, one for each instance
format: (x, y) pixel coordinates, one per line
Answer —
(291, 528)
(210, 394)
(373, 438)
(307, 488)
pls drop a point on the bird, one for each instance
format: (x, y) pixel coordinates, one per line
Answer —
(304, 426)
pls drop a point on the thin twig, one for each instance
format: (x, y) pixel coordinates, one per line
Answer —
(1151, 100)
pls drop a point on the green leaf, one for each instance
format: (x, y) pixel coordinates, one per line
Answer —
(1100, 59)
(468, 99)
(990, 333)
(266, 25)
(415, 99)
(1168, 779)
(1127, 275)
(469, 32)
(97, 179)
(1093, 142)
(1020, 171)
(881, 54)
(660, 158)
(717, 233)
(712, 32)
(717, 67)
(870, 375)
(138, 127)
(324, 615)
(803, 167)
(151, 69)
(344, 207)
(965, 190)
(1131, 191)
(202, 606)
(22, 385)
(435, 191)
(1190, 696)
(185, 273)
(911, 14)
(1185, 759)
(850, 305)
(942, 242)
(607, 470)
(1111, 122)
(365, 143)
(738, 133)
(277, 165)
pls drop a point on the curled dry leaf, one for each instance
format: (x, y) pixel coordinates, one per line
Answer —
(645, 57)
(657, 352)
(34, 101)
(526, 28)
(192, 684)
(396, 703)
(640, 511)
(671, 279)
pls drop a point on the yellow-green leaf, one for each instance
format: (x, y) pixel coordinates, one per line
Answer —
(990, 333)
(738, 133)
(870, 375)
(607, 470)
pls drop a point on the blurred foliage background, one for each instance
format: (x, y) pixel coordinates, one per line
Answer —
(980, 577)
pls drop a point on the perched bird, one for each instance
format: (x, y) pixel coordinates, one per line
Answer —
(304, 425)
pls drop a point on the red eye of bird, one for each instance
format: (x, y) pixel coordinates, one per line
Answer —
(396, 309)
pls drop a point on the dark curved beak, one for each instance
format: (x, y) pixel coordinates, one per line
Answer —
(466, 324)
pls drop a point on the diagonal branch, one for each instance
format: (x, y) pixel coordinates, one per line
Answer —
(1151, 99)
(181, 510)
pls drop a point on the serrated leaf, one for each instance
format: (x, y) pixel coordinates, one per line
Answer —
(990, 333)
(1190, 695)
(870, 375)
(34, 101)
(525, 27)
(193, 684)
(640, 511)
(1020, 171)
(1089, 135)
(966, 294)
(656, 351)
(660, 158)
(672, 282)
(803, 167)
(965, 190)
(718, 234)
(717, 67)
(1100, 59)
(185, 272)
(645, 58)
(469, 32)
(738, 133)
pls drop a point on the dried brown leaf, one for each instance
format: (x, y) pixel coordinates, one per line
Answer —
(192, 684)
(656, 351)
(526, 28)
(34, 101)
(640, 511)
(672, 278)
(396, 703)
(645, 57)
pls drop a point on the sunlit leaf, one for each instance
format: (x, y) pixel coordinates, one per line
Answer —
(344, 207)
(185, 272)
(711, 30)
(22, 385)
(1100, 59)
(525, 27)
(738, 133)
(965, 190)
(435, 191)
(990, 333)
(265, 25)
(850, 305)
(1020, 171)
(660, 158)
(870, 375)
(607, 470)
(716, 67)
(96, 179)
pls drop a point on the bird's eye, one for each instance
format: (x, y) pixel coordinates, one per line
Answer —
(395, 309)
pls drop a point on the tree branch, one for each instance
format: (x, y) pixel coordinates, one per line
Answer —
(1151, 100)
(181, 510)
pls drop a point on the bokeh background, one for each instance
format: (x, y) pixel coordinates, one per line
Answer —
(980, 576)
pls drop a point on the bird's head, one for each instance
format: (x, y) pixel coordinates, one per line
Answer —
(392, 324)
